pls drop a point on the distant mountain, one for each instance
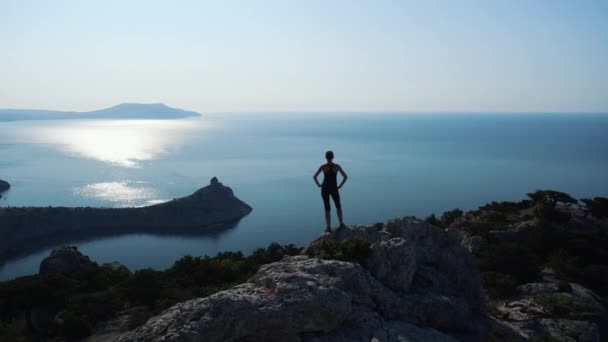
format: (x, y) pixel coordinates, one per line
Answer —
(121, 111)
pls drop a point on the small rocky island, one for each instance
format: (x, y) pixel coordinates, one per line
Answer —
(4, 185)
(213, 207)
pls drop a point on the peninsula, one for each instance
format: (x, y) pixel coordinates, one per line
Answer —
(121, 111)
(211, 208)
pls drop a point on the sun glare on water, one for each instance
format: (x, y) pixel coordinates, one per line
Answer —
(123, 194)
(124, 143)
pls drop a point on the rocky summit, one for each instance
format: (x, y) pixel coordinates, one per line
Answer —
(417, 284)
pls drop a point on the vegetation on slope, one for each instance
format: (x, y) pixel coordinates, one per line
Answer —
(573, 254)
(82, 299)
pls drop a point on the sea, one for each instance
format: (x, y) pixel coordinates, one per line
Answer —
(398, 164)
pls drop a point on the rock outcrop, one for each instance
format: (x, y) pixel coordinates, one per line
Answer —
(563, 311)
(419, 284)
(65, 259)
(4, 185)
(211, 208)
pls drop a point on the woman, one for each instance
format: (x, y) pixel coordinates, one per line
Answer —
(330, 187)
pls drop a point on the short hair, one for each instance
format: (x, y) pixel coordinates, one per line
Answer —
(329, 155)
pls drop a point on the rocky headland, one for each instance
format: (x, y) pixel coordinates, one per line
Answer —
(213, 207)
(4, 185)
(533, 270)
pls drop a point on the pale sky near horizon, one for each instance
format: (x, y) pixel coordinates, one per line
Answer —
(328, 55)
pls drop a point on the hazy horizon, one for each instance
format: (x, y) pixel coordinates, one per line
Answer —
(339, 56)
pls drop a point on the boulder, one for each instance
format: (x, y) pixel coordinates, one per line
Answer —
(419, 284)
(65, 259)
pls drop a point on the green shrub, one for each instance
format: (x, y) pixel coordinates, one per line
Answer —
(561, 305)
(13, 331)
(498, 285)
(512, 259)
(432, 219)
(144, 287)
(96, 306)
(139, 318)
(479, 228)
(597, 206)
(355, 249)
(350, 249)
(551, 197)
(73, 327)
(448, 217)
(492, 309)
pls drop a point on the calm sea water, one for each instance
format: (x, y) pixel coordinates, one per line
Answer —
(397, 164)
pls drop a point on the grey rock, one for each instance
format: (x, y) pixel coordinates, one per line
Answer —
(475, 244)
(526, 315)
(116, 266)
(418, 285)
(65, 259)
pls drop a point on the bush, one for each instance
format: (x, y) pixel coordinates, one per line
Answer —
(447, 218)
(498, 285)
(512, 259)
(432, 219)
(144, 288)
(73, 327)
(350, 249)
(139, 318)
(355, 249)
(450, 216)
(597, 206)
(96, 306)
(479, 228)
(13, 332)
(561, 306)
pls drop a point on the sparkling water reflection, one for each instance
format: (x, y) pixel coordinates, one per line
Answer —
(124, 143)
(122, 194)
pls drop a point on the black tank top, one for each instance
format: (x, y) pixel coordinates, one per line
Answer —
(330, 178)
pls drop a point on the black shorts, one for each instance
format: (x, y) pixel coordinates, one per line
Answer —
(325, 193)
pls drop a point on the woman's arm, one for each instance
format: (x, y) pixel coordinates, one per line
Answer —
(344, 176)
(316, 175)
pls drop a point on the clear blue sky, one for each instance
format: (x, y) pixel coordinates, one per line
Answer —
(490, 55)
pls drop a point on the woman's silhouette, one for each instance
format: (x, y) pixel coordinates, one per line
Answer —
(330, 187)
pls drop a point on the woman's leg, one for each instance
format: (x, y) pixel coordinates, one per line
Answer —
(327, 207)
(336, 197)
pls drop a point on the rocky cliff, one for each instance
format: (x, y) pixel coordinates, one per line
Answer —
(210, 208)
(417, 284)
